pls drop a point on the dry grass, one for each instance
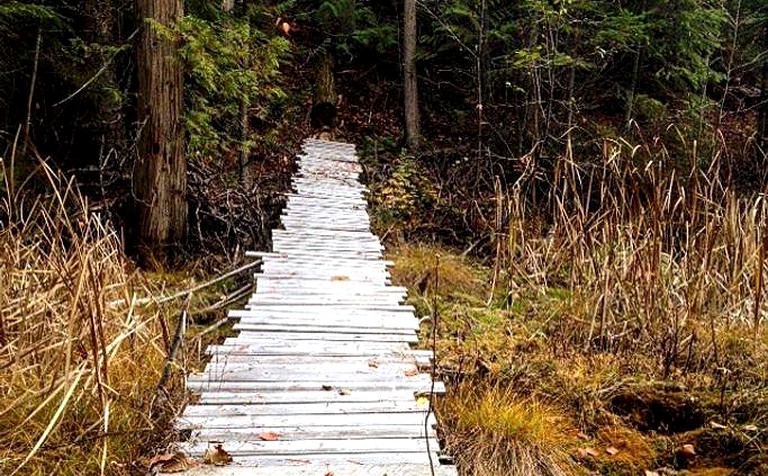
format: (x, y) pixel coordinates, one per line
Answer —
(494, 431)
(418, 264)
(631, 297)
(80, 361)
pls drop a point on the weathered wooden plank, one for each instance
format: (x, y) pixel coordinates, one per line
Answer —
(266, 371)
(327, 289)
(338, 468)
(346, 274)
(249, 336)
(319, 350)
(324, 233)
(290, 319)
(301, 447)
(328, 226)
(323, 329)
(337, 300)
(314, 396)
(265, 345)
(313, 433)
(328, 260)
(384, 313)
(335, 278)
(324, 308)
(298, 358)
(250, 373)
(251, 323)
(301, 420)
(327, 408)
(310, 396)
(418, 384)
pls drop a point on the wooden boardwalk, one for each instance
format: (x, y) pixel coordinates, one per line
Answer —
(321, 379)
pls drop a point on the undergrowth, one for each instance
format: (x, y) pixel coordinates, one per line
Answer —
(618, 327)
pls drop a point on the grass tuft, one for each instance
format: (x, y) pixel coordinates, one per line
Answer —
(497, 432)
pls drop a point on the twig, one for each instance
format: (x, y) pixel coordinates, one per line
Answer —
(226, 301)
(31, 96)
(98, 73)
(234, 272)
(194, 289)
(435, 317)
(178, 338)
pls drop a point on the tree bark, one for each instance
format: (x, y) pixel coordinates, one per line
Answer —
(762, 116)
(410, 85)
(159, 179)
(325, 84)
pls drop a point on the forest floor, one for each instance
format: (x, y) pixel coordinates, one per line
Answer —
(523, 400)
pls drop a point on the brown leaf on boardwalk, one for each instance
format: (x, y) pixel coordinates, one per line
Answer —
(171, 463)
(327, 388)
(373, 364)
(329, 473)
(343, 391)
(269, 436)
(217, 456)
(339, 278)
(411, 372)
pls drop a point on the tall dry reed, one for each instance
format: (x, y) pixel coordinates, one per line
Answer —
(79, 360)
(659, 262)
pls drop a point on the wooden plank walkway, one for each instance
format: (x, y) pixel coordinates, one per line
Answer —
(323, 358)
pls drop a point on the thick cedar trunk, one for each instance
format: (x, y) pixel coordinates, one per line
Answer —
(325, 85)
(410, 87)
(159, 179)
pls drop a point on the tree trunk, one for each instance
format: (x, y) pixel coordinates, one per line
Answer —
(762, 117)
(410, 86)
(159, 179)
(325, 84)
(102, 27)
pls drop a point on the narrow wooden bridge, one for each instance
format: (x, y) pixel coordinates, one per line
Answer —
(321, 379)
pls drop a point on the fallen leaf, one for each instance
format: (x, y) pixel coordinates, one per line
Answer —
(422, 401)
(172, 463)
(717, 426)
(372, 363)
(161, 458)
(583, 436)
(343, 391)
(217, 456)
(269, 436)
(339, 278)
(688, 451)
(592, 452)
(327, 388)
(612, 450)
(329, 473)
(581, 453)
(411, 372)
